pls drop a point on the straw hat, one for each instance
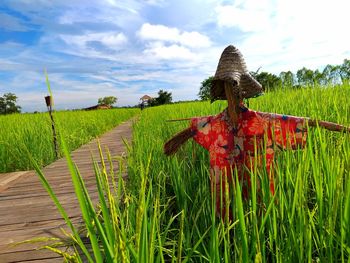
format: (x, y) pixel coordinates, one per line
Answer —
(232, 68)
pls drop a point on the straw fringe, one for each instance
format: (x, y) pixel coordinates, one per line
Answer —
(173, 145)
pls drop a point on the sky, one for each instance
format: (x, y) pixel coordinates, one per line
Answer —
(96, 48)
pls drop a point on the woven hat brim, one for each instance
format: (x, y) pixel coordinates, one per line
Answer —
(244, 86)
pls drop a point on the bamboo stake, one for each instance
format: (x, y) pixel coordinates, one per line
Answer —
(48, 100)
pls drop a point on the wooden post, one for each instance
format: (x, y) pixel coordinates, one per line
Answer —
(48, 100)
(232, 103)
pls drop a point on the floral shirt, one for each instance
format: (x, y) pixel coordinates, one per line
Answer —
(256, 137)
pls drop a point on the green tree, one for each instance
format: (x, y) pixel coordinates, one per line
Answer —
(268, 81)
(333, 74)
(345, 70)
(8, 104)
(287, 79)
(204, 90)
(110, 100)
(318, 77)
(164, 97)
(327, 74)
(305, 77)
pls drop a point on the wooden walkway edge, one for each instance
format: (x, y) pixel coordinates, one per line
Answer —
(27, 211)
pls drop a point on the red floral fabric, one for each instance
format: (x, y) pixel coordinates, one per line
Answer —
(254, 140)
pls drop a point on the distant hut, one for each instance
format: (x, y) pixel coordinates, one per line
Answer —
(145, 98)
(99, 107)
(145, 101)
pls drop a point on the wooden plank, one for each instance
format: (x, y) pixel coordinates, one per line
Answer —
(30, 255)
(13, 237)
(39, 201)
(10, 239)
(43, 224)
(58, 178)
(29, 212)
(26, 210)
(9, 179)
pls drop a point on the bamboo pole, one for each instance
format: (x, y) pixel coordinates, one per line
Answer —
(232, 103)
(331, 126)
(48, 100)
(181, 119)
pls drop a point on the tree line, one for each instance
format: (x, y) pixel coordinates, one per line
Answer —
(331, 75)
(164, 97)
(8, 104)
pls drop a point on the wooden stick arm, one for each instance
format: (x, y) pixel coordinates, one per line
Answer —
(331, 126)
(181, 119)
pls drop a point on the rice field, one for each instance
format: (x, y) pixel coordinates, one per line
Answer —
(33, 132)
(165, 211)
(307, 221)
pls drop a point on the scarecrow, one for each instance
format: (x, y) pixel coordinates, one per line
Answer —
(240, 138)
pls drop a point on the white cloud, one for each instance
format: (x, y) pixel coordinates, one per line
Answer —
(171, 52)
(103, 45)
(127, 6)
(101, 14)
(114, 49)
(169, 43)
(248, 16)
(89, 92)
(69, 93)
(173, 35)
(158, 32)
(112, 40)
(194, 39)
(282, 35)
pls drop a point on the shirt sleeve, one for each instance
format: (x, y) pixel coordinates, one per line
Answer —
(201, 127)
(287, 132)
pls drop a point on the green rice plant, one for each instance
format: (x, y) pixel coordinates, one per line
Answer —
(304, 221)
(34, 132)
(165, 211)
(121, 230)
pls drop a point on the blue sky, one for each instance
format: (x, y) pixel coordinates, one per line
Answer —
(126, 49)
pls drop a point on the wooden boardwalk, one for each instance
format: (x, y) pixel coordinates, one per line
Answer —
(26, 210)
